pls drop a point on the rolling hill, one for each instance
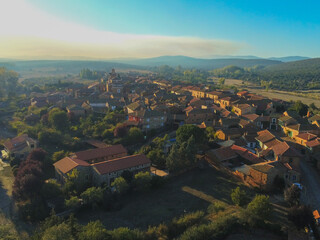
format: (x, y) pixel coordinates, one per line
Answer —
(205, 64)
(61, 67)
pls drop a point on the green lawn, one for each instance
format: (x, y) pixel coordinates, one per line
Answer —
(191, 191)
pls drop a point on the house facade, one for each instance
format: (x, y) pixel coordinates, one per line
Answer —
(20, 146)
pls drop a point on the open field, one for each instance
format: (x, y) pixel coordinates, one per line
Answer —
(287, 96)
(284, 95)
(191, 191)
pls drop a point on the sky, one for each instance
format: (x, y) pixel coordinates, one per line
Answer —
(112, 29)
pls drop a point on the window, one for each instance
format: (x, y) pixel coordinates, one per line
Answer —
(148, 119)
(118, 90)
(274, 120)
(148, 126)
(294, 178)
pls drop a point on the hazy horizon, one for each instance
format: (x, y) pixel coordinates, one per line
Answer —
(107, 30)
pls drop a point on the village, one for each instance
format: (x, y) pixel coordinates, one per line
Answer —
(262, 142)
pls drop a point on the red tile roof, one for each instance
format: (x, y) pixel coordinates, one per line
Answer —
(100, 152)
(246, 154)
(223, 153)
(251, 117)
(121, 164)
(67, 164)
(18, 142)
(265, 136)
(306, 136)
(284, 149)
(313, 143)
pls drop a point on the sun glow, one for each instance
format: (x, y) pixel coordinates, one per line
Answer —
(28, 32)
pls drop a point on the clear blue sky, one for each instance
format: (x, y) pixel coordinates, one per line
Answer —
(266, 28)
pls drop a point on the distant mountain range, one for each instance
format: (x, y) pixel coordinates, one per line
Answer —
(189, 62)
(209, 64)
(60, 67)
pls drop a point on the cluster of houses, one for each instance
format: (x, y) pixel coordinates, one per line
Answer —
(256, 138)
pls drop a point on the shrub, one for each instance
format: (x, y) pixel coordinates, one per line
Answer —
(238, 196)
(126, 234)
(73, 202)
(58, 232)
(142, 181)
(258, 210)
(94, 231)
(120, 185)
(179, 225)
(92, 196)
(51, 189)
(218, 229)
(216, 207)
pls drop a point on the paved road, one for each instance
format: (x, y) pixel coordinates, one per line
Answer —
(311, 182)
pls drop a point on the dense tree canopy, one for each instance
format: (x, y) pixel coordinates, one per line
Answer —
(186, 131)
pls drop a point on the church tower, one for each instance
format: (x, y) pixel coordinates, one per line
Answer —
(114, 83)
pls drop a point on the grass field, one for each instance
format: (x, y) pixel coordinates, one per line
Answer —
(313, 97)
(191, 191)
(194, 190)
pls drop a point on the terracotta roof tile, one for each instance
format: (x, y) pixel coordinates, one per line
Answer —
(313, 143)
(306, 136)
(100, 152)
(246, 154)
(251, 117)
(121, 163)
(67, 164)
(264, 167)
(223, 153)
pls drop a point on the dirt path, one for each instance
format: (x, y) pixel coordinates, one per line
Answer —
(6, 182)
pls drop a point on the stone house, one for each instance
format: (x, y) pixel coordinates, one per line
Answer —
(20, 146)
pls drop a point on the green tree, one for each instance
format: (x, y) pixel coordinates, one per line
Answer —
(300, 108)
(73, 202)
(59, 119)
(238, 196)
(157, 158)
(142, 181)
(120, 185)
(51, 189)
(135, 135)
(173, 161)
(186, 131)
(258, 210)
(76, 182)
(58, 232)
(92, 196)
(94, 231)
(126, 234)
(56, 156)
